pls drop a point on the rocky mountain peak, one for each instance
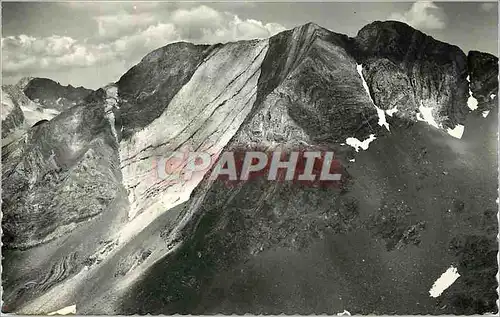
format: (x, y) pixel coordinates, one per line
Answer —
(402, 43)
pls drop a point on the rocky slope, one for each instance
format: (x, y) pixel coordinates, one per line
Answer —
(88, 222)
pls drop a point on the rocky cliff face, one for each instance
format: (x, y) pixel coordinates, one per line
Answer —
(483, 70)
(87, 220)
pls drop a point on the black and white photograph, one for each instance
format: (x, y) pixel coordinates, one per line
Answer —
(249, 157)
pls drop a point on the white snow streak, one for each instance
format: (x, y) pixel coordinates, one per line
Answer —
(425, 114)
(485, 113)
(357, 144)
(444, 281)
(381, 114)
(64, 311)
(382, 121)
(492, 96)
(471, 101)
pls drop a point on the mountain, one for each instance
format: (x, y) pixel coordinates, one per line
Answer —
(412, 121)
(51, 94)
(34, 99)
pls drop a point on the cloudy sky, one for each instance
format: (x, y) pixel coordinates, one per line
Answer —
(92, 44)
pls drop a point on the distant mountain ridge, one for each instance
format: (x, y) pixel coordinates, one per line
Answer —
(53, 95)
(86, 222)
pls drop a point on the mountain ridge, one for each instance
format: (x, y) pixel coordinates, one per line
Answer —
(86, 221)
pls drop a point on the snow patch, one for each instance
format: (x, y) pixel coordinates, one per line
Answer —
(492, 96)
(472, 102)
(444, 281)
(357, 144)
(64, 311)
(457, 131)
(381, 114)
(381, 118)
(485, 113)
(425, 114)
(352, 160)
(32, 114)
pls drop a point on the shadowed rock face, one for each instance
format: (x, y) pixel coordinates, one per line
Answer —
(87, 221)
(483, 70)
(316, 85)
(53, 95)
(147, 88)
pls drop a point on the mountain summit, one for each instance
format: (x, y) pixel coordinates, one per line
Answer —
(412, 121)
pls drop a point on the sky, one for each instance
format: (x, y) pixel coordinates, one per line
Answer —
(93, 44)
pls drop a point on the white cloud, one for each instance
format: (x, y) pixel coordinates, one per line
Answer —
(127, 34)
(144, 41)
(422, 15)
(22, 54)
(113, 26)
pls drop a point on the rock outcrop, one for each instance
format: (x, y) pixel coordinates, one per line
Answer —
(88, 220)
